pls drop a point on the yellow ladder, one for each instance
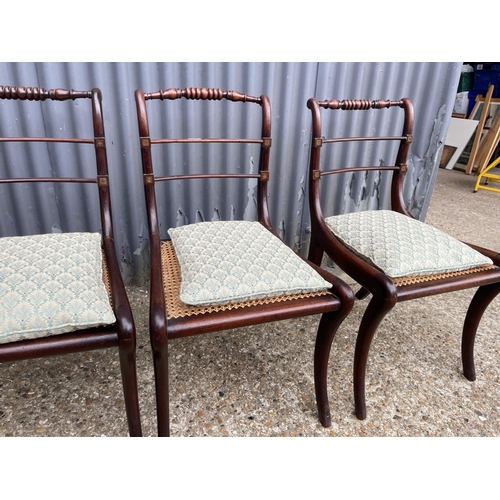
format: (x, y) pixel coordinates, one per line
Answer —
(488, 177)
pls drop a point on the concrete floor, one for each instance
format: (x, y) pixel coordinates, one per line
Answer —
(259, 381)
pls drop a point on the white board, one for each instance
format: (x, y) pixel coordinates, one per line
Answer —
(459, 134)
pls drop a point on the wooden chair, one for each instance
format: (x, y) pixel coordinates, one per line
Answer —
(172, 318)
(95, 293)
(363, 243)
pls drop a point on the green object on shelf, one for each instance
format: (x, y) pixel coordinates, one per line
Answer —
(466, 82)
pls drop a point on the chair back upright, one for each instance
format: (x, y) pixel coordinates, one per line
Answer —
(318, 141)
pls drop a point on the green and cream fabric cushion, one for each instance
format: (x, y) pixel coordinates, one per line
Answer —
(51, 284)
(401, 246)
(231, 261)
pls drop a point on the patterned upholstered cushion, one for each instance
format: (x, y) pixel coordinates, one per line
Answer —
(51, 284)
(230, 261)
(401, 246)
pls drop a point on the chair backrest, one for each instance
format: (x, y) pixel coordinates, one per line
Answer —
(98, 142)
(318, 141)
(205, 94)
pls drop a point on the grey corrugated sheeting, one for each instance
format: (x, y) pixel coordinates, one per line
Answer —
(431, 86)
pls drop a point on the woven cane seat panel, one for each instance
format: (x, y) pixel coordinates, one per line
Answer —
(232, 261)
(105, 279)
(178, 309)
(51, 284)
(412, 280)
(402, 247)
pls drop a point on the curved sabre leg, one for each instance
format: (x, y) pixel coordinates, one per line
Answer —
(327, 329)
(481, 300)
(376, 310)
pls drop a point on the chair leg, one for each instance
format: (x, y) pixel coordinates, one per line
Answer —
(315, 254)
(160, 363)
(129, 381)
(376, 310)
(482, 298)
(327, 329)
(362, 293)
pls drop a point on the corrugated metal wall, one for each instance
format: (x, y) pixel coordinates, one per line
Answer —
(431, 86)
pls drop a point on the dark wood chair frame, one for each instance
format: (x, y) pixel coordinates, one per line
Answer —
(334, 306)
(121, 334)
(385, 293)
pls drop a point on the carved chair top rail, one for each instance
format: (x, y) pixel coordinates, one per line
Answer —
(204, 94)
(359, 104)
(40, 94)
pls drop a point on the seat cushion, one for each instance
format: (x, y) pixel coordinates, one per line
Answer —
(401, 246)
(51, 284)
(231, 261)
